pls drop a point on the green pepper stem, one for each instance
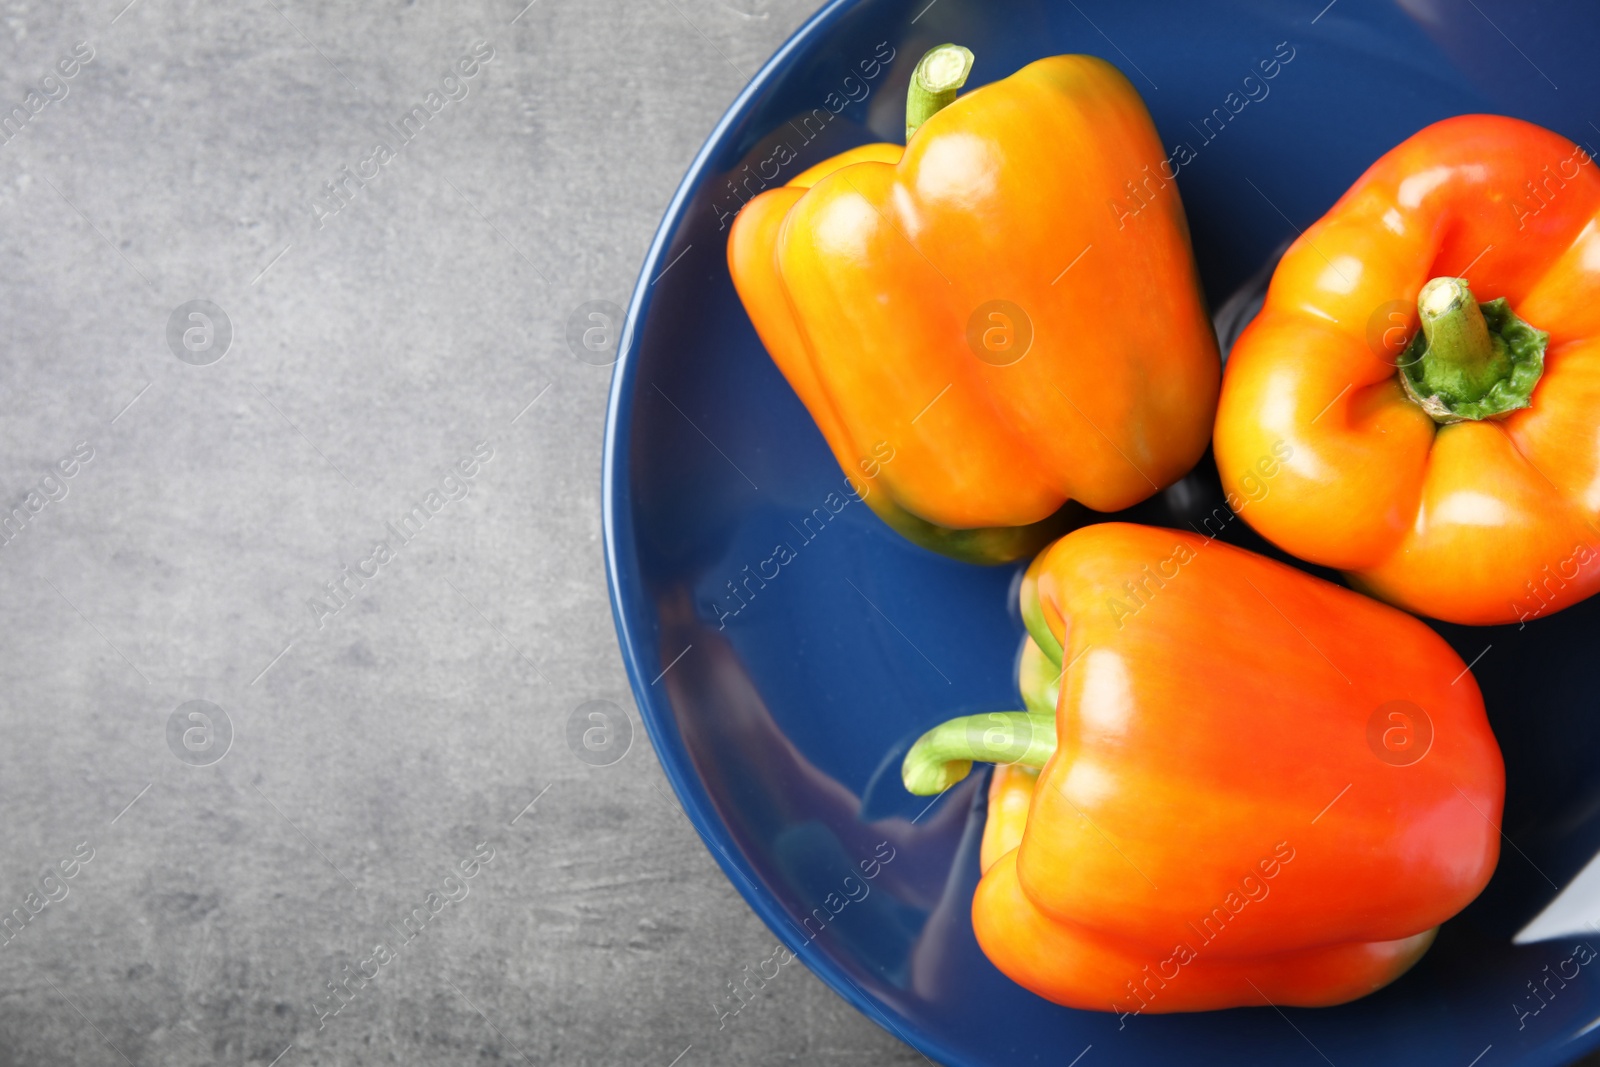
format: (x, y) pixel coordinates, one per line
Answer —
(934, 84)
(1457, 336)
(1470, 360)
(945, 754)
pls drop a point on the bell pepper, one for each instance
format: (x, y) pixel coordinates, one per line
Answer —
(974, 331)
(1254, 786)
(1428, 359)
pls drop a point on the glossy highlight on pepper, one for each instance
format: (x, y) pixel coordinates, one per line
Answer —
(976, 300)
(1430, 350)
(1259, 787)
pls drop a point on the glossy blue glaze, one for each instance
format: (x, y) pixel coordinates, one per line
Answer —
(780, 711)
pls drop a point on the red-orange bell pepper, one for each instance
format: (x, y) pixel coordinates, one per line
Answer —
(933, 302)
(1435, 466)
(1253, 786)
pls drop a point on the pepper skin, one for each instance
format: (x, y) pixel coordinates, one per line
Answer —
(1232, 809)
(1483, 518)
(865, 275)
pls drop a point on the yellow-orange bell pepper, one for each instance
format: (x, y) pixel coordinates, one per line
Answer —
(976, 306)
(1234, 783)
(1435, 466)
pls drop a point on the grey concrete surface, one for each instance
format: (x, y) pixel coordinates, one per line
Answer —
(196, 877)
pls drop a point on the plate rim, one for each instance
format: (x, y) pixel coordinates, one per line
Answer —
(625, 591)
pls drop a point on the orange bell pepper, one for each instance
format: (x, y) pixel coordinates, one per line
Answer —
(969, 306)
(1254, 786)
(1454, 469)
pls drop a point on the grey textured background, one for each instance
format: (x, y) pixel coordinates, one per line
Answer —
(373, 748)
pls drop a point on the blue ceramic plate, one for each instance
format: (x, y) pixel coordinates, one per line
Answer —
(785, 647)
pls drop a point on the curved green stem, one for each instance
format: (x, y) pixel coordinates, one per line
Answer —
(934, 84)
(1470, 361)
(945, 754)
